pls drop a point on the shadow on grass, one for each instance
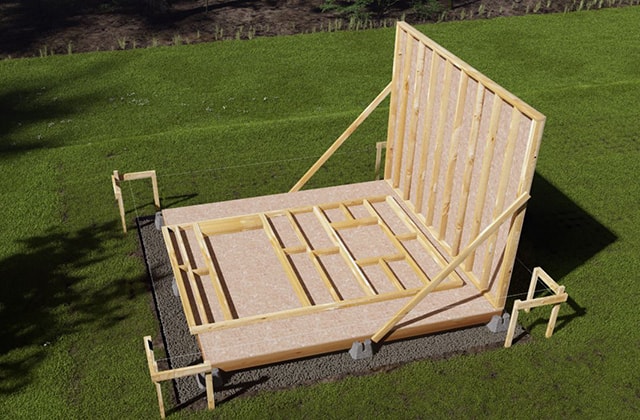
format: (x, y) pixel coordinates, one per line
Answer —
(43, 300)
(559, 236)
(17, 115)
(38, 103)
(174, 200)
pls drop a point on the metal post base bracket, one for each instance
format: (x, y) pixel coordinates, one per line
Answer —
(499, 323)
(361, 351)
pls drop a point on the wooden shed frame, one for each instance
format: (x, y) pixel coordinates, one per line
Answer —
(460, 158)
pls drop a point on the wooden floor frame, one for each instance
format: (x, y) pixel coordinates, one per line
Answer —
(188, 273)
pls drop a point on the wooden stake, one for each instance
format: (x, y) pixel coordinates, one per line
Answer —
(157, 376)
(116, 179)
(512, 323)
(160, 399)
(554, 315)
(117, 191)
(153, 370)
(558, 298)
(208, 379)
(154, 183)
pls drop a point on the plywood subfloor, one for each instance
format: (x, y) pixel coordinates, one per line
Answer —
(255, 279)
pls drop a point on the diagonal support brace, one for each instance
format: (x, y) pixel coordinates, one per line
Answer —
(488, 231)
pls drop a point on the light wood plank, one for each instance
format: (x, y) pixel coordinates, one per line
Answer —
(344, 251)
(396, 86)
(397, 244)
(423, 240)
(526, 178)
(468, 168)
(304, 310)
(353, 223)
(414, 119)
(117, 192)
(343, 137)
(362, 262)
(379, 146)
(401, 116)
(505, 175)
(347, 213)
(131, 176)
(292, 275)
(453, 153)
(426, 131)
(177, 273)
(384, 264)
(230, 224)
(442, 275)
(473, 73)
(195, 290)
(211, 402)
(485, 172)
(166, 375)
(214, 275)
(439, 140)
(314, 254)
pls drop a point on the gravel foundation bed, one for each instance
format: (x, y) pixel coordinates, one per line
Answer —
(182, 348)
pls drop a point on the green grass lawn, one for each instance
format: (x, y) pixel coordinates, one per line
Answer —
(237, 119)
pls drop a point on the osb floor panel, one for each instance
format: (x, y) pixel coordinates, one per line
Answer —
(257, 283)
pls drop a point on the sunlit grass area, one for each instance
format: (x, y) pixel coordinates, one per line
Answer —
(237, 119)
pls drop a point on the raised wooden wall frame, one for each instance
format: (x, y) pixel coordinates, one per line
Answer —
(430, 247)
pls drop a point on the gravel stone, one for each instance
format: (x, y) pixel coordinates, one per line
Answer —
(182, 348)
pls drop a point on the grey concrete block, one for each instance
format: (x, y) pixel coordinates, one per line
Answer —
(499, 323)
(218, 379)
(361, 351)
(159, 221)
(174, 287)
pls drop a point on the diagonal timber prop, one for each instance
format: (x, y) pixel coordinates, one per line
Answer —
(488, 231)
(343, 137)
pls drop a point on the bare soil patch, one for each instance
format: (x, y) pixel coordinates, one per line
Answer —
(29, 28)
